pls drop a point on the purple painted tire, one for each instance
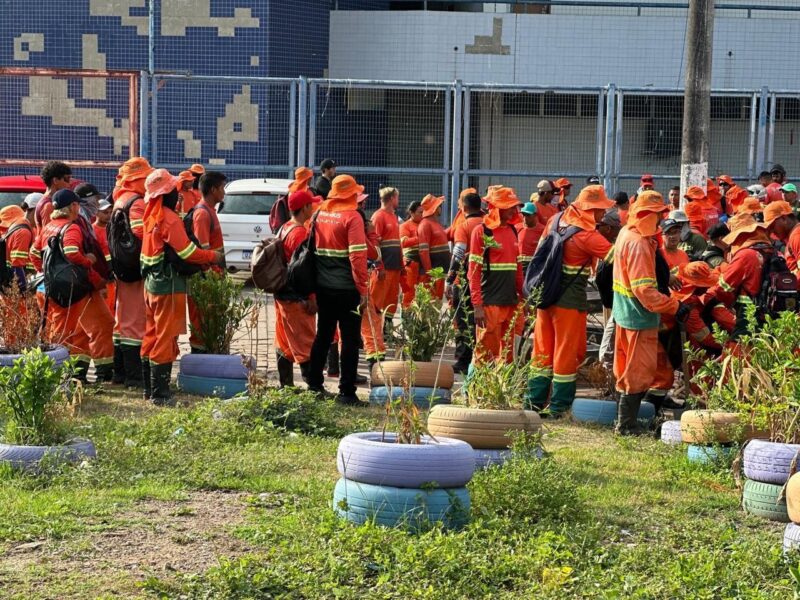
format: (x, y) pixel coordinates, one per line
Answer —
(27, 457)
(58, 353)
(769, 462)
(216, 366)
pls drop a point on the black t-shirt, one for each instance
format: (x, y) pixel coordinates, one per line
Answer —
(323, 186)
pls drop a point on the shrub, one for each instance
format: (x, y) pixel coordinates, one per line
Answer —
(37, 395)
(222, 308)
(20, 321)
(426, 325)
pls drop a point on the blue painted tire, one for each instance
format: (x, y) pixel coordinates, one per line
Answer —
(364, 458)
(791, 537)
(27, 457)
(485, 458)
(211, 386)
(421, 396)
(58, 353)
(216, 366)
(604, 412)
(671, 433)
(769, 462)
(709, 454)
(412, 509)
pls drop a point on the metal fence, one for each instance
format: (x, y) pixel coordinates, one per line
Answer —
(420, 137)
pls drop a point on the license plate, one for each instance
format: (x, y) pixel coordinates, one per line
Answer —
(247, 254)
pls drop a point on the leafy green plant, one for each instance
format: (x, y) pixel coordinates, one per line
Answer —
(222, 307)
(37, 396)
(760, 380)
(426, 325)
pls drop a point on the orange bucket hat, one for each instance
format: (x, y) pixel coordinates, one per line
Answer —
(185, 176)
(158, 183)
(694, 211)
(197, 169)
(649, 201)
(135, 168)
(751, 206)
(593, 197)
(699, 274)
(741, 224)
(465, 192)
(725, 179)
(302, 175)
(501, 198)
(695, 193)
(344, 187)
(10, 214)
(775, 210)
(430, 203)
(563, 182)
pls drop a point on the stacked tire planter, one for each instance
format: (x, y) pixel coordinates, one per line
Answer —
(220, 375)
(671, 433)
(58, 353)
(791, 535)
(712, 435)
(767, 467)
(490, 432)
(432, 382)
(604, 412)
(405, 485)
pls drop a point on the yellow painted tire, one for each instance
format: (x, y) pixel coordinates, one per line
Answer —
(714, 427)
(425, 374)
(793, 497)
(481, 428)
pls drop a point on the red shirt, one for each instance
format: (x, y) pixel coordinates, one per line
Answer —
(43, 211)
(498, 283)
(102, 238)
(792, 252)
(528, 240)
(434, 251)
(409, 241)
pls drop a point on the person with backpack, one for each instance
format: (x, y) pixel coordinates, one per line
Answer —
(559, 335)
(341, 284)
(164, 287)
(16, 236)
(191, 195)
(100, 229)
(75, 317)
(495, 277)
(640, 361)
(434, 251)
(56, 176)
(127, 222)
(781, 222)
(204, 225)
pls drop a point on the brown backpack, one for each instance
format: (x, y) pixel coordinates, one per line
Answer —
(268, 264)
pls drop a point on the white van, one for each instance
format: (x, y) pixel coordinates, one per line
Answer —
(244, 218)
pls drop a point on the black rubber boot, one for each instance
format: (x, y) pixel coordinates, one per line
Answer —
(370, 363)
(628, 414)
(81, 369)
(199, 350)
(304, 371)
(119, 366)
(148, 389)
(285, 371)
(333, 360)
(133, 366)
(159, 378)
(656, 400)
(104, 373)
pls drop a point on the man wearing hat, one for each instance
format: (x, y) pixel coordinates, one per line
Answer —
(564, 187)
(781, 222)
(757, 191)
(84, 326)
(646, 183)
(778, 174)
(327, 173)
(18, 235)
(129, 326)
(559, 334)
(717, 250)
(457, 285)
(434, 251)
(675, 257)
(100, 230)
(640, 362)
(740, 283)
(302, 177)
(495, 278)
(410, 244)
(341, 285)
(295, 313)
(29, 206)
(789, 191)
(164, 288)
(543, 198)
(702, 214)
(529, 235)
(732, 194)
(190, 197)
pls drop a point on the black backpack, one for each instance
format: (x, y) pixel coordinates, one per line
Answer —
(778, 287)
(124, 247)
(604, 280)
(544, 270)
(302, 269)
(6, 272)
(64, 282)
(180, 266)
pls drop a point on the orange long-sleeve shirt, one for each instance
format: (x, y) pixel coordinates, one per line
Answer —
(409, 241)
(341, 243)
(497, 282)
(792, 252)
(18, 244)
(387, 230)
(434, 250)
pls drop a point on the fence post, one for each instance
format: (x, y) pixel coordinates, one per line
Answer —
(761, 144)
(773, 109)
(292, 127)
(618, 141)
(455, 180)
(608, 167)
(144, 112)
(465, 141)
(598, 168)
(751, 154)
(151, 69)
(302, 121)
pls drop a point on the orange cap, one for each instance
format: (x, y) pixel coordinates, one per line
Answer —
(775, 210)
(134, 168)
(563, 182)
(302, 175)
(344, 187)
(593, 197)
(430, 203)
(695, 193)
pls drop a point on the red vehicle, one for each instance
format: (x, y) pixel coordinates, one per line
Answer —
(14, 188)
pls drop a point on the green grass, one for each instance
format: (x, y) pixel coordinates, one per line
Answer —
(600, 517)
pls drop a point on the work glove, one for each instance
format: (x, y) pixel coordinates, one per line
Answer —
(683, 312)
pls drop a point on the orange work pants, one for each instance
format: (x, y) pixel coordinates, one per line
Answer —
(111, 297)
(640, 362)
(372, 322)
(559, 343)
(130, 315)
(386, 291)
(165, 321)
(408, 283)
(85, 328)
(496, 340)
(295, 330)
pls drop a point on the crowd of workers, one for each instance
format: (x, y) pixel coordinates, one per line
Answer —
(676, 263)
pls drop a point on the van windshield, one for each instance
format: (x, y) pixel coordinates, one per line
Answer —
(248, 204)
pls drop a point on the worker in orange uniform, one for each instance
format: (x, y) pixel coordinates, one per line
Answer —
(164, 288)
(495, 278)
(732, 194)
(128, 196)
(85, 325)
(671, 230)
(703, 212)
(208, 233)
(295, 314)
(529, 235)
(56, 176)
(781, 222)
(341, 284)
(409, 241)
(186, 199)
(564, 187)
(99, 227)
(543, 199)
(640, 361)
(17, 233)
(457, 287)
(559, 334)
(434, 251)
(460, 214)
(385, 283)
(302, 179)
(192, 196)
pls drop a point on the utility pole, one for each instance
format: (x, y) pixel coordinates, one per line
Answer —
(697, 97)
